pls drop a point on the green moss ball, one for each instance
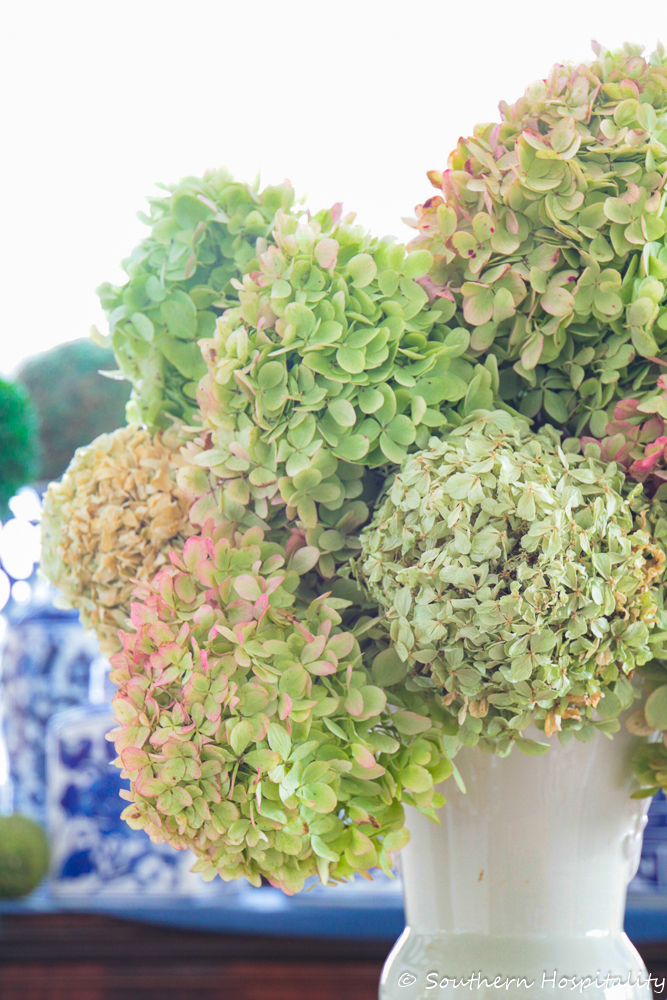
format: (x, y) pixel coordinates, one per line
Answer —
(24, 856)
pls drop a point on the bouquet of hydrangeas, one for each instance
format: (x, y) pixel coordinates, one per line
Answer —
(388, 501)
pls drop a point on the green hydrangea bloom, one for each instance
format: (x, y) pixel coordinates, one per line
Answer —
(518, 580)
(330, 367)
(252, 731)
(548, 238)
(203, 235)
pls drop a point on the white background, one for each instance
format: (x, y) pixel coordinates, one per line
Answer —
(353, 100)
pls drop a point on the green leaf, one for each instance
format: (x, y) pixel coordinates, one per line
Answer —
(351, 360)
(479, 394)
(270, 375)
(353, 448)
(263, 759)
(417, 264)
(416, 778)
(143, 325)
(323, 850)
(459, 485)
(240, 736)
(154, 289)
(617, 210)
(392, 451)
(396, 840)
(530, 747)
(410, 723)
(370, 400)
(362, 269)
(655, 709)
(185, 357)
(343, 412)
(555, 407)
(609, 706)
(180, 316)
(456, 343)
(304, 559)
(642, 312)
(319, 797)
(388, 282)
(401, 430)
(374, 699)
(279, 740)
(478, 309)
(644, 342)
(388, 668)
(247, 587)
(557, 301)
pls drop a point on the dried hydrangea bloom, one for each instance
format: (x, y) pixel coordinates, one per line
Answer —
(548, 237)
(250, 729)
(109, 523)
(518, 580)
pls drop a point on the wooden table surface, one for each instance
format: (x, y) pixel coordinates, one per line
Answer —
(88, 957)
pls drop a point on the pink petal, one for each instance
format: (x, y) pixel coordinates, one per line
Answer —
(626, 408)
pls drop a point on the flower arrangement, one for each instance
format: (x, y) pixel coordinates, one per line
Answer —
(417, 504)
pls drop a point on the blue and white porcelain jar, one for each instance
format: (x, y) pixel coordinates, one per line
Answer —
(46, 657)
(93, 851)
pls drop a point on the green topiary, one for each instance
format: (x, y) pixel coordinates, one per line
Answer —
(548, 237)
(74, 402)
(24, 856)
(18, 442)
(203, 235)
(518, 580)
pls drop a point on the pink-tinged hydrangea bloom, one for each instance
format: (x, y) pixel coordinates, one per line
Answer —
(249, 726)
(560, 277)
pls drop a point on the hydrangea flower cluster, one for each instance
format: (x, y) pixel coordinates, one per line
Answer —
(540, 235)
(110, 521)
(203, 234)
(252, 730)
(329, 368)
(519, 580)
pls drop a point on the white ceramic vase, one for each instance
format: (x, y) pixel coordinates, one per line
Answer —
(525, 879)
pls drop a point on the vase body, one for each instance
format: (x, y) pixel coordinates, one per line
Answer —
(93, 852)
(46, 658)
(524, 879)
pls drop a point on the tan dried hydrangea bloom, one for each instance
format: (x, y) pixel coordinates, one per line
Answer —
(111, 521)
